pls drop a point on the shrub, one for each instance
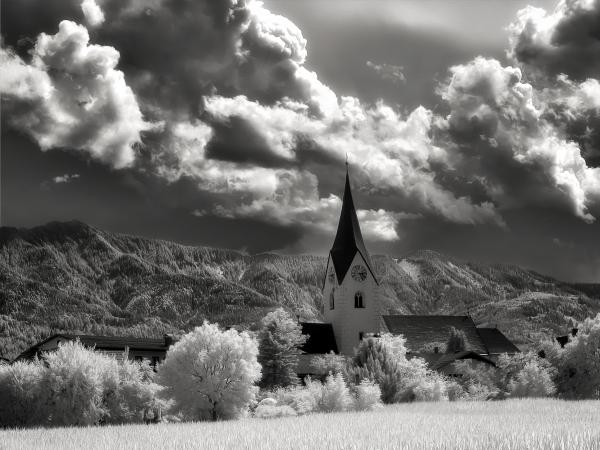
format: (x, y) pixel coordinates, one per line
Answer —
(303, 399)
(279, 342)
(330, 363)
(210, 374)
(271, 411)
(22, 401)
(430, 388)
(74, 386)
(368, 396)
(335, 395)
(532, 381)
(78, 382)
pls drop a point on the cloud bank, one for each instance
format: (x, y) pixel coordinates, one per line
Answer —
(225, 100)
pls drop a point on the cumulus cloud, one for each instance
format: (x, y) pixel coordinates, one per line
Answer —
(92, 12)
(388, 72)
(70, 95)
(498, 127)
(565, 40)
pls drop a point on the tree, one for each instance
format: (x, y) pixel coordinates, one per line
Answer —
(210, 374)
(457, 341)
(578, 363)
(279, 342)
(383, 361)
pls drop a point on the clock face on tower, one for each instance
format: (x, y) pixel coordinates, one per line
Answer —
(359, 273)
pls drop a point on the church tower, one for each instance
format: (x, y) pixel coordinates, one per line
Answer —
(351, 289)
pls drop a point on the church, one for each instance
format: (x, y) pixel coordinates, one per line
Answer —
(352, 308)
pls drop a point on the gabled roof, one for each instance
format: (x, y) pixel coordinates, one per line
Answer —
(420, 331)
(496, 342)
(348, 239)
(320, 338)
(101, 343)
(449, 358)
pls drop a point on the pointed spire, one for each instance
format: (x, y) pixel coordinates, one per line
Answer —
(348, 239)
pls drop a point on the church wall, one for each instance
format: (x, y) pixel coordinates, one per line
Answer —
(347, 320)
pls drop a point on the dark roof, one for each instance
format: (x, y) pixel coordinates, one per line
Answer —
(348, 239)
(4, 360)
(496, 342)
(320, 338)
(102, 342)
(420, 331)
(449, 358)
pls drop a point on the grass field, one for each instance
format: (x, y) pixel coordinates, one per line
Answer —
(514, 424)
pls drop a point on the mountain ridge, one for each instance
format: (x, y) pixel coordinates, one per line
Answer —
(73, 277)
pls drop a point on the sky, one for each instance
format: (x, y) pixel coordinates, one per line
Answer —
(471, 128)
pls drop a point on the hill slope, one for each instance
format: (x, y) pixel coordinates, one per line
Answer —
(73, 277)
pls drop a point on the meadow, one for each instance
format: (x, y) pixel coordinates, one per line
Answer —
(511, 424)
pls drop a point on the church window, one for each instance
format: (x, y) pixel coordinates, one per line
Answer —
(358, 300)
(331, 301)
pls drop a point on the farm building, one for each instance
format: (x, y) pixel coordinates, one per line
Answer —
(138, 349)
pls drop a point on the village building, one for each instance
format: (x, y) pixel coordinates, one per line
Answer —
(137, 349)
(352, 308)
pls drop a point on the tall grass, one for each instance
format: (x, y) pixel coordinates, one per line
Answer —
(506, 425)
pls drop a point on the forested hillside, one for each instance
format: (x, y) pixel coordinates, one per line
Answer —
(73, 277)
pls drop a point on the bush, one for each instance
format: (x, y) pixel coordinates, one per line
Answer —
(74, 386)
(430, 388)
(210, 374)
(532, 381)
(22, 401)
(271, 411)
(303, 399)
(368, 396)
(330, 363)
(335, 395)
(384, 362)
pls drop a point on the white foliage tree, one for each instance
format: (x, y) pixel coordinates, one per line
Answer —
(75, 380)
(578, 363)
(211, 374)
(534, 380)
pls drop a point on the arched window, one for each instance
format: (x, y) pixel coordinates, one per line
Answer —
(358, 300)
(331, 301)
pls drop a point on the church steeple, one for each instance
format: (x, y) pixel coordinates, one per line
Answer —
(348, 239)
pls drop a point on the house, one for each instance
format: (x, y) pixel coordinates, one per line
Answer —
(352, 309)
(4, 361)
(137, 349)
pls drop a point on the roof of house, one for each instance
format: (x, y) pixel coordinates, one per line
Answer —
(420, 331)
(320, 338)
(348, 239)
(496, 342)
(449, 358)
(4, 360)
(102, 342)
